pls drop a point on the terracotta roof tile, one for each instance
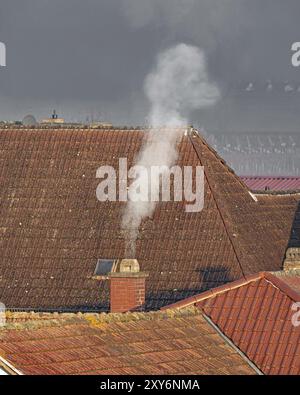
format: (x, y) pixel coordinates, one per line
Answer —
(150, 343)
(256, 314)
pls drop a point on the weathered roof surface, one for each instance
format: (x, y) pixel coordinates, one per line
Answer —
(277, 207)
(53, 230)
(257, 313)
(291, 278)
(149, 343)
(272, 183)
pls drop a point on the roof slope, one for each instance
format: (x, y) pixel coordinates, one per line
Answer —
(53, 229)
(276, 211)
(149, 343)
(259, 231)
(257, 315)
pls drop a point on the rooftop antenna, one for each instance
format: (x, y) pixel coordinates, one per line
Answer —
(54, 115)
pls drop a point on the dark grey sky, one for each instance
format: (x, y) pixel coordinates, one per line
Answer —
(91, 57)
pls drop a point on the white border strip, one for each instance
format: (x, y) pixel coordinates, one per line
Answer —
(10, 366)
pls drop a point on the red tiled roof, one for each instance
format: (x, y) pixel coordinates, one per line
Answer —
(53, 229)
(272, 183)
(256, 314)
(149, 343)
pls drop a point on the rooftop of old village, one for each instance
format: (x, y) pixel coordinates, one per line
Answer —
(218, 289)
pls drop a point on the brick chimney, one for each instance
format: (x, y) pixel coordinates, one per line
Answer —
(292, 259)
(127, 287)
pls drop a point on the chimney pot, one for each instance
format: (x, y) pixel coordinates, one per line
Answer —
(292, 259)
(129, 265)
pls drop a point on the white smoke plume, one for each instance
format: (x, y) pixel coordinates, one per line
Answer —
(178, 84)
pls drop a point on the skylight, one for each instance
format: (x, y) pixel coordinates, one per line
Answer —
(105, 266)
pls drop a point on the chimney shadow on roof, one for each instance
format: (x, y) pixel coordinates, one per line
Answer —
(209, 278)
(214, 276)
(294, 239)
(157, 300)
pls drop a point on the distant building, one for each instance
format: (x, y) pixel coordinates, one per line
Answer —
(259, 154)
(96, 125)
(29, 120)
(53, 120)
(272, 183)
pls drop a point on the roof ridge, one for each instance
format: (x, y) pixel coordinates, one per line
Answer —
(277, 193)
(222, 160)
(268, 276)
(89, 127)
(282, 286)
(32, 320)
(215, 291)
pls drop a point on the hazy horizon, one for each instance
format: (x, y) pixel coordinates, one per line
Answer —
(89, 59)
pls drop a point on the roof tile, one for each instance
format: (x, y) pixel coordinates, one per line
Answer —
(101, 344)
(258, 318)
(53, 229)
